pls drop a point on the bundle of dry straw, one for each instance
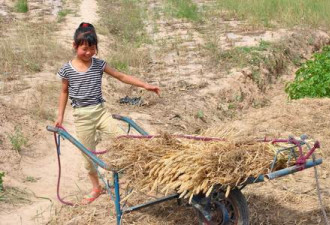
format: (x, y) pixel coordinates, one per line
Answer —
(188, 167)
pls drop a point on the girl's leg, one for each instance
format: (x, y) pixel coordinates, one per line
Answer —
(109, 125)
(95, 180)
(86, 133)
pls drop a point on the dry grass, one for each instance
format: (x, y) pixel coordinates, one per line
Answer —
(124, 21)
(283, 203)
(103, 212)
(27, 48)
(14, 196)
(269, 60)
(43, 101)
(139, 157)
(265, 206)
(126, 57)
(165, 163)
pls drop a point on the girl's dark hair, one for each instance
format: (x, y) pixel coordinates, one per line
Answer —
(85, 33)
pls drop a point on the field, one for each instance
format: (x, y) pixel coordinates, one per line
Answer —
(221, 65)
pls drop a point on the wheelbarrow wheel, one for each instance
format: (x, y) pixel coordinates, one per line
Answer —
(235, 205)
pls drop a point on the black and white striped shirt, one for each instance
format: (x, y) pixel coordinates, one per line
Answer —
(84, 87)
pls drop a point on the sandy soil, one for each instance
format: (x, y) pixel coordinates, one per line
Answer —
(188, 87)
(39, 160)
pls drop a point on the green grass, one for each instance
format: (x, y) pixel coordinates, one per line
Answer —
(242, 56)
(2, 174)
(17, 139)
(62, 14)
(31, 179)
(183, 9)
(272, 12)
(239, 56)
(21, 6)
(121, 65)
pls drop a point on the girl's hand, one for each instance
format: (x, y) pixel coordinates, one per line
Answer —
(152, 88)
(58, 122)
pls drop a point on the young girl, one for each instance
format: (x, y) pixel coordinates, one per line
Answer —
(81, 82)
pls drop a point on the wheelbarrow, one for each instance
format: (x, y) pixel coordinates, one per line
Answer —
(215, 209)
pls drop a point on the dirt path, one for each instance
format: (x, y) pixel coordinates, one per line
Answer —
(44, 168)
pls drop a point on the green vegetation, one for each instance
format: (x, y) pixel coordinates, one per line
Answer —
(17, 139)
(271, 12)
(120, 65)
(183, 9)
(62, 14)
(313, 78)
(200, 114)
(239, 56)
(21, 6)
(246, 56)
(124, 20)
(31, 179)
(2, 174)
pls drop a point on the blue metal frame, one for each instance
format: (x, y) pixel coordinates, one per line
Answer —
(159, 200)
(131, 123)
(284, 172)
(119, 211)
(64, 134)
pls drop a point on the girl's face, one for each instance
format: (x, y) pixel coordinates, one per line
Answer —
(85, 52)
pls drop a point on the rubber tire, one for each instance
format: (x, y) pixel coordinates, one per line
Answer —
(238, 201)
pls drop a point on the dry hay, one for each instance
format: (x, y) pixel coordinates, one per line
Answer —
(102, 211)
(189, 167)
(135, 155)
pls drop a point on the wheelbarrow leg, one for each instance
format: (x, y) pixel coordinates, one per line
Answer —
(117, 198)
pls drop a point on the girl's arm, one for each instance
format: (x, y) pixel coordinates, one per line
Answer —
(130, 80)
(62, 102)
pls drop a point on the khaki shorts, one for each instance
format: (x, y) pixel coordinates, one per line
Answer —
(90, 119)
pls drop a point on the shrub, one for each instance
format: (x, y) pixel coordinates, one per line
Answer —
(2, 174)
(313, 78)
(184, 9)
(62, 14)
(21, 6)
(17, 139)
